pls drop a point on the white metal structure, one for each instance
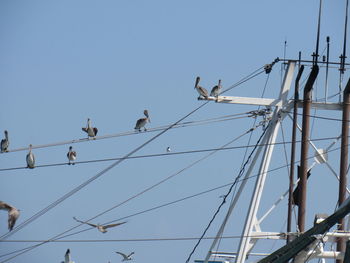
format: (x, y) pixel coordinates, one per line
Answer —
(252, 231)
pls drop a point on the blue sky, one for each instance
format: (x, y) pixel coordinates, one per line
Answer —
(65, 61)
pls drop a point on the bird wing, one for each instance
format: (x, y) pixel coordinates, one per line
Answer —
(132, 253)
(84, 129)
(113, 225)
(122, 254)
(5, 206)
(95, 131)
(84, 222)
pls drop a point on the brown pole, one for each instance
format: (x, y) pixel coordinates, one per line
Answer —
(343, 162)
(305, 146)
(292, 163)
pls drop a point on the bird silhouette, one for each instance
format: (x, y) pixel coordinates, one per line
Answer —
(91, 131)
(30, 158)
(142, 122)
(101, 228)
(125, 257)
(203, 93)
(71, 155)
(5, 143)
(13, 214)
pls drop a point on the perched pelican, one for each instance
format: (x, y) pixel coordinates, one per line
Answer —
(91, 131)
(215, 91)
(125, 257)
(13, 214)
(5, 143)
(203, 93)
(67, 257)
(71, 155)
(142, 122)
(101, 228)
(30, 158)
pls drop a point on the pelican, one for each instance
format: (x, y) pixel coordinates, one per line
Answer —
(203, 93)
(101, 228)
(13, 214)
(67, 257)
(142, 122)
(30, 158)
(5, 143)
(91, 131)
(215, 91)
(125, 257)
(71, 155)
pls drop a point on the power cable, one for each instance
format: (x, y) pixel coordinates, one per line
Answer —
(81, 186)
(128, 133)
(158, 154)
(59, 237)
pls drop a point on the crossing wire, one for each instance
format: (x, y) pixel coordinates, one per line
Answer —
(81, 186)
(228, 193)
(58, 201)
(161, 154)
(128, 133)
(59, 237)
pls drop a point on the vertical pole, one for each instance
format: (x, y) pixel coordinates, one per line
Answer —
(305, 146)
(291, 176)
(343, 162)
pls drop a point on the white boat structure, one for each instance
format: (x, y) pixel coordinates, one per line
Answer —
(303, 243)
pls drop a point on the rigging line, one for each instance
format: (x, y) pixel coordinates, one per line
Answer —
(245, 79)
(285, 150)
(315, 116)
(134, 239)
(59, 237)
(162, 154)
(128, 133)
(78, 188)
(245, 154)
(228, 193)
(149, 188)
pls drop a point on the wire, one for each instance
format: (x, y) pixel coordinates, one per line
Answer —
(59, 237)
(314, 116)
(224, 199)
(81, 186)
(159, 154)
(128, 133)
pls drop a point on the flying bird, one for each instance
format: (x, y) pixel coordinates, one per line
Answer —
(142, 122)
(203, 93)
(30, 158)
(67, 257)
(13, 214)
(101, 228)
(5, 143)
(71, 155)
(216, 90)
(125, 257)
(91, 131)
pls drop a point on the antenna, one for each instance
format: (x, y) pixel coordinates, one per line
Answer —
(343, 56)
(315, 54)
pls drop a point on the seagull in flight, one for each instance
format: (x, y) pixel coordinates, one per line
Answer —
(142, 122)
(91, 131)
(101, 228)
(5, 142)
(13, 214)
(203, 93)
(67, 257)
(125, 257)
